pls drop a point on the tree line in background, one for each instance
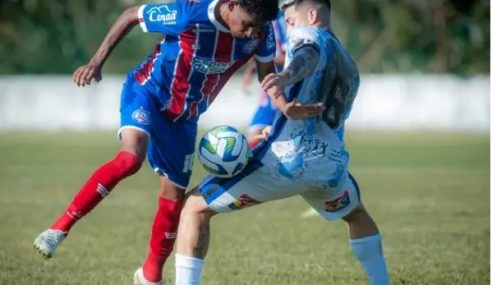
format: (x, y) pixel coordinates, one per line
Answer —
(384, 36)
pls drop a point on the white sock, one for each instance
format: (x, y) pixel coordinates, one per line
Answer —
(369, 252)
(188, 270)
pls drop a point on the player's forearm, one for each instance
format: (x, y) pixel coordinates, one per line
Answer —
(302, 65)
(264, 68)
(280, 100)
(127, 20)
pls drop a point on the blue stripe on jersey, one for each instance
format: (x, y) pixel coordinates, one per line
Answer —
(195, 94)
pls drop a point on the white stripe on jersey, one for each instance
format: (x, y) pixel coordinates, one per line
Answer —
(141, 21)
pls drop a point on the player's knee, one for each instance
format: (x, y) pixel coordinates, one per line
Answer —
(195, 205)
(356, 215)
(128, 163)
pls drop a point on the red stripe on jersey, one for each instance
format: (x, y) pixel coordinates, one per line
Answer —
(181, 84)
(142, 75)
(224, 47)
(193, 110)
(224, 51)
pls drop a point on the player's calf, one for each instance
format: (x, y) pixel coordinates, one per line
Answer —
(366, 244)
(98, 186)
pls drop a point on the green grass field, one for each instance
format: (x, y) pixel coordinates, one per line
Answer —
(429, 194)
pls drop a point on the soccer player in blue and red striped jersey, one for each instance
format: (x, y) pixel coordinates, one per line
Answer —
(204, 42)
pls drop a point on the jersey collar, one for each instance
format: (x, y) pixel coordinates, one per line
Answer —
(211, 17)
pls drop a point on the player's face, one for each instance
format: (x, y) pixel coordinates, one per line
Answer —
(244, 25)
(295, 16)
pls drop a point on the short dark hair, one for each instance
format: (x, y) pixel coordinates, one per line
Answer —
(288, 3)
(266, 10)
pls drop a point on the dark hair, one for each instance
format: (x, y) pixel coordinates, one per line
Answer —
(265, 10)
(288, 3)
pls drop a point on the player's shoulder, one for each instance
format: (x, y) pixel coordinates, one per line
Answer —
(303, 35)
(307, 35)
(309, 32)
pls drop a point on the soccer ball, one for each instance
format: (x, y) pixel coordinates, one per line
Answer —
(223, 151)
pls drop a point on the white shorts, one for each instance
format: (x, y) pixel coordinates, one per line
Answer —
(253, 186)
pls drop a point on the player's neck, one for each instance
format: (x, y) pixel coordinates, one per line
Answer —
(323, 23)
(221, 12)
(323, 26)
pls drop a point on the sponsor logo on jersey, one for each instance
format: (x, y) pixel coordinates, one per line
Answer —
(243, 202)
(339, 203)
(207, 66)
(141, 116)
(162, 14)
(196, 46)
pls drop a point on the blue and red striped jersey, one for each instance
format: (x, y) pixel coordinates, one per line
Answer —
(196, 56)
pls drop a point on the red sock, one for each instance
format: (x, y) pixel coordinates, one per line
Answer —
(162, 238)
(98, 186)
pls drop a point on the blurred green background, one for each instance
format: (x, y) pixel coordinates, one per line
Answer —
(384, 36)
(429, 191)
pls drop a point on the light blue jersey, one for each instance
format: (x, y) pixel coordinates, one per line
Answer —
(312, 150)
(302, 157)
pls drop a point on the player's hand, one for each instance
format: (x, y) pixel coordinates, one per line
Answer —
(265, 132)
(85, 74)
(274, 83)
(295, 111)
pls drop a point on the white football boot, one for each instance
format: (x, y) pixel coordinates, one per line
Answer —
(139, 279)
(47, 242)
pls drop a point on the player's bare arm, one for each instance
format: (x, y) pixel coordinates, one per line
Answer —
(264, 68)
(302, 65)
(92, 71)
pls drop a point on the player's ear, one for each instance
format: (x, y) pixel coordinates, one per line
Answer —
(231, 5)
(312, 16)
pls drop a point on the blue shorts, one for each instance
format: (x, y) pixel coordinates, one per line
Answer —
(171, 144)
(264, 115)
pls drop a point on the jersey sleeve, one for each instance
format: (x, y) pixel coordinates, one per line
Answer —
(169, 18)
(301, 37)
(280, 33)
(266, 49)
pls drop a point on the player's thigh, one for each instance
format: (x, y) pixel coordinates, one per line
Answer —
(135, 120)
(335, 203)
(171, 150)
(249, 188)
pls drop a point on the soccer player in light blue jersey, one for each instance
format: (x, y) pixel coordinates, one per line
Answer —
(203, 43)
(265, 112)
(303, 157)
